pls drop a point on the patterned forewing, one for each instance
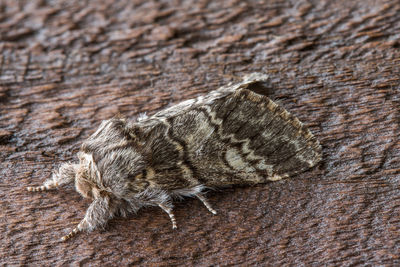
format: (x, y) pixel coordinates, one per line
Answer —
(244, 138)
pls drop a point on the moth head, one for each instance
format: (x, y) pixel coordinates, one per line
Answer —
(86, 176)
(108, 160)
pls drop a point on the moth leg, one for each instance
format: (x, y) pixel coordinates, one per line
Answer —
(64, 175)
(170, 213)
(97, 216)
(47, 185)
(79, 228)
(205, 202)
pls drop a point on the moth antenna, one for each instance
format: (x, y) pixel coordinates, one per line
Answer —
(170, 213)
(206, 203)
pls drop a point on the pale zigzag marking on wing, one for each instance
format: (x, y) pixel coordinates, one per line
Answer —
(236, 161)
(186, 169)
(250, 156)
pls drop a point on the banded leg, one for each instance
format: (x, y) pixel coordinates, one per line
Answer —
(79, 228)
(170, 213)
(205, 202)
(47, 185)
(97, 216)
(64, 175)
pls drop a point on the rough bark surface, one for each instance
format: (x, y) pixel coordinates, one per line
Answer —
(66, 65)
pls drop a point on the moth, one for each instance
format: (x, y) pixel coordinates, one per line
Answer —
(234, 135)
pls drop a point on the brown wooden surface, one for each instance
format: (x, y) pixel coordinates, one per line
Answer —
(66, 65)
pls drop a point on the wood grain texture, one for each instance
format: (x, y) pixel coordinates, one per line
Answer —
(66, 65)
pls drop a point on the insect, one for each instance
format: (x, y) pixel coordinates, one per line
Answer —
(231, 136)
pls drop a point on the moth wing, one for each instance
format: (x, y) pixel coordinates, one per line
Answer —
(232, 136)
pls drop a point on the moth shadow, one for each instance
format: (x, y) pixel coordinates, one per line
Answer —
(262, 88)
